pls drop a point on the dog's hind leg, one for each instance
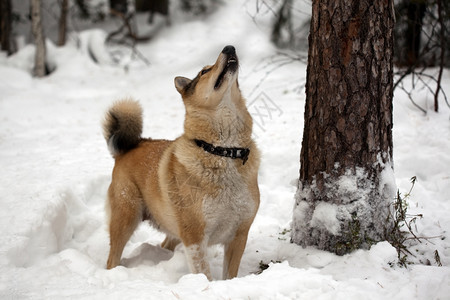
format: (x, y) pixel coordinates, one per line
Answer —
(126, 213)
(170, 243)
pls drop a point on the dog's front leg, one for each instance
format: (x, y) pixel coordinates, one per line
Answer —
(234, 251)
(196, 256)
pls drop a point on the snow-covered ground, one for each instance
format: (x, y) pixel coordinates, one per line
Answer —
(55, 170)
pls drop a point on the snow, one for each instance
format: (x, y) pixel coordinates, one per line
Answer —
(55, 170)
(325, 215)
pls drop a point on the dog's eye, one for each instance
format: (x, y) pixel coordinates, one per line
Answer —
(205, 71)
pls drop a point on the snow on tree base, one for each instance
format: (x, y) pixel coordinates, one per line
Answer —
(347, 213)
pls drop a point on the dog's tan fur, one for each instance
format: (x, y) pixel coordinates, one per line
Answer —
(195, 197)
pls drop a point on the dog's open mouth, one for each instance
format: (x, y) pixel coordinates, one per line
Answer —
(231, 66)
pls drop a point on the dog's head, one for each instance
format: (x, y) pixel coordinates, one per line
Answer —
(212, 83)
(215, 108)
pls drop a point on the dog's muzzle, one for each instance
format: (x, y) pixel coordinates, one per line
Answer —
(232, 60)
(231, 65)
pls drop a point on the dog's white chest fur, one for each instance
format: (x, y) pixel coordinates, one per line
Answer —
(225, 213)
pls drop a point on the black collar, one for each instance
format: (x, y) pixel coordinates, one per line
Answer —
(234, 153)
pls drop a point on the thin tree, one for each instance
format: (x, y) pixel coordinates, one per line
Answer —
(282, 31)
(39, 38)
(62, 30)
(442, 41)
(346, 179)
(415, 13)
(5, 25)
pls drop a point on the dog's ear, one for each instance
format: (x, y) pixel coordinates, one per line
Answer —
(181, 83)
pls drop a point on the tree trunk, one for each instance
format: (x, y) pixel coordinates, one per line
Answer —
(416, 11)
(5, 25)
(282, 32)
(63, 23)
(346, 179)
(84, 11)
(442, 56)
(119, 6)
(39, 38)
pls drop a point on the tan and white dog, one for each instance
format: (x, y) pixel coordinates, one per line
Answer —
(200, 189)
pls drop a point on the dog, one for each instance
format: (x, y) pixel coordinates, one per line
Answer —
(200, 189)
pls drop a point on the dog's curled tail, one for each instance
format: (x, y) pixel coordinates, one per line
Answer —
(122, 127)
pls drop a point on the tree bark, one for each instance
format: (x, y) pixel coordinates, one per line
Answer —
(346, 179)
(62, 33)
(39, 39)
(5, 25)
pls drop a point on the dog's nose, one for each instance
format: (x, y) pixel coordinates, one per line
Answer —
(229, 50)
